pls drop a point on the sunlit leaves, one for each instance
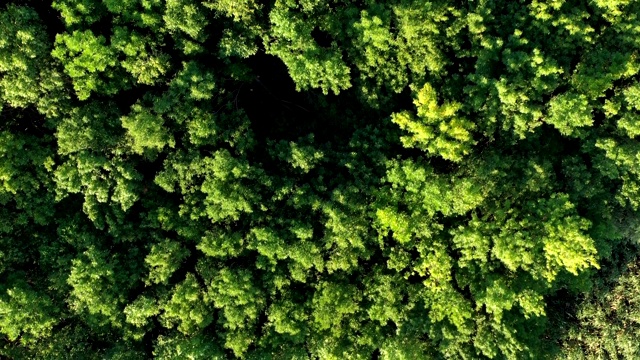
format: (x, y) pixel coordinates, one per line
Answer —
(333, 302)
(310, 66)
(399, 43)
(189, 203)
(221, 243)
(287, 317)
(23, 44)
(24, 312)
(89, 62)
(241, 11)
(143, 61)
(186, 16)
(144, 13)
(240, 301)
(96, 288)
(24, 183)
(621, 161)
(176, 345)
(568, 112)
(194, 81)
(91, 127)
(99, 179)
(226, 197)
(186, 307)
(75, 12)
(607, 319)
(139, 311)
(146, 130)
(437, 129)
(164, 259)
(302, 155)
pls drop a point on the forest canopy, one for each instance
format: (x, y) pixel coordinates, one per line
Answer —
(319, 179)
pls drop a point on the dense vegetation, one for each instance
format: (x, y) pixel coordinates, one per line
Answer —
(327, 179)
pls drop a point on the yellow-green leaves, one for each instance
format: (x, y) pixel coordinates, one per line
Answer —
(401, 43)
(569, 112)
(139, 311)
(302, 155)
(75, 12)
(310, 65)
(221, 244)
(146, 130)
(422, 30)
(226, 196)
(215, 186)
(437, 129)
(332, 303)
(376, 46)
(143, 13)
(193, 82)
(95, 288)
(91, 127)
(25, 313)
(179, 346)
(194, 203)
(239, 10)
(140, 314)
(621, 161)
(26, 73)
(186, 307)
(241, 301)
(629, 122)
(186, 16)
(163, 260)
(632, 96)
(99, 179)
(143, 61)
(544, 238)
(566, 245)
(89, 62)
(443, 301)
(607, 320)
(287, 317)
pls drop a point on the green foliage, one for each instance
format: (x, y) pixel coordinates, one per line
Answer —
(402, 43)
(25, 313)
(145, 130)
(22, 46)
(179, 346)
(89, 62)
(26, 79)
(99, 179)
(240, 302)
(242, 11)
(250, 179)
(138, 313)
(143, 61)
(96, 289)
(186, 17)
(437, 130)
(186, 307)
(607, 321)
(164, 259)
(25, 162)
(569, 111)
(226, 195)
(145, 13)
(309, 65)
(79, 11)
(90, 127)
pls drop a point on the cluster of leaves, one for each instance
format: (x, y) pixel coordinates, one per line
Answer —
(606, 321)
(407, 179)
